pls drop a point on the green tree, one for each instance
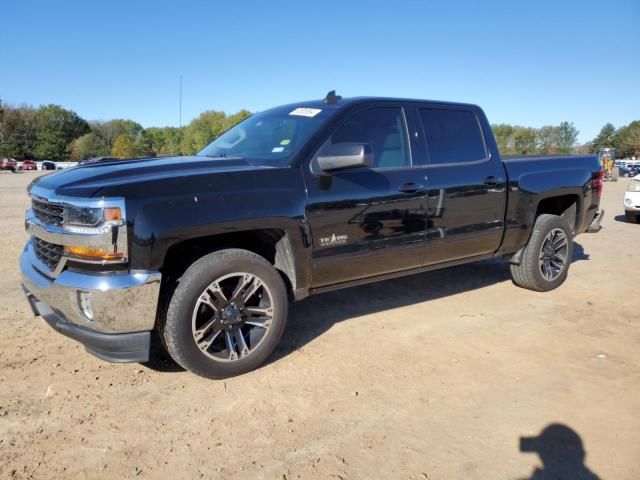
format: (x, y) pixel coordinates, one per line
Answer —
(142, 144)
(56, 129)
(605, 138)
(123, 146)
(627, 140)
(233, 120)
(202, 130)
(18, 133)
(111, 129)
(504, 137)
(1, 118)
(524, 141)
(206, 128)
(165, 141)
(89, 145)
(567, 137)
(547, 139)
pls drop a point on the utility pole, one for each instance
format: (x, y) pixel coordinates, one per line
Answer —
(180, 114)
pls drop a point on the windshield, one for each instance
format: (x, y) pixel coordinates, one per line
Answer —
(272, 136)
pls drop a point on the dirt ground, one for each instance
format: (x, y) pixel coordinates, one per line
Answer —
(434, 376)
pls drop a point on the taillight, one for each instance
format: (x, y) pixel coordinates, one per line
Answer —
(597, 183)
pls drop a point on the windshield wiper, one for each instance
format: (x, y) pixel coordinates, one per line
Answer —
(216, 155)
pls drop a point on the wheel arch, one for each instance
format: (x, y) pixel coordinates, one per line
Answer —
(567, 205)
(273, 244)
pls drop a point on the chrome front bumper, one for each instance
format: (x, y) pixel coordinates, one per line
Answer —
(103, 303)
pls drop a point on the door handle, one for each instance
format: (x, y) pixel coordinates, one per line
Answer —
(491, 181)
(411, 187)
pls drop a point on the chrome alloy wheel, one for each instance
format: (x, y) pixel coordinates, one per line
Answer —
(553, 254)
(232, 316)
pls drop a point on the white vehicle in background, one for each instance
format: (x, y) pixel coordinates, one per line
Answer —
(632, 200)
(62, 165)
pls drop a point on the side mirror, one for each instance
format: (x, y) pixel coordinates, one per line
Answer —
(342, 156)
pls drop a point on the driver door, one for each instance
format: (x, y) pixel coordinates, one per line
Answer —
(368, 221)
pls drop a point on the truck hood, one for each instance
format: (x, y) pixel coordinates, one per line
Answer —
(88, 179)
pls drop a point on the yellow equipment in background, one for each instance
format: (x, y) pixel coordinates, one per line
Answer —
(607, 161)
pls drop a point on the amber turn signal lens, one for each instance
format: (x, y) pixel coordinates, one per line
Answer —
(112, 214)
(92, 253)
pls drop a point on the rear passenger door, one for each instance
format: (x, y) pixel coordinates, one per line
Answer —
(466, 186)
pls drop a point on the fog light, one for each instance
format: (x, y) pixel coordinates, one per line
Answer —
(627, 201)
(84, 300)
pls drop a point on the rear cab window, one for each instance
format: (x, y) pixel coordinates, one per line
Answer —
(452, 136)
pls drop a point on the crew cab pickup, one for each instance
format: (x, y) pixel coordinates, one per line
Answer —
(208, 250)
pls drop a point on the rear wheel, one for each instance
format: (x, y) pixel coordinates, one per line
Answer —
(227, 314)
(545, 261)
(632, 217)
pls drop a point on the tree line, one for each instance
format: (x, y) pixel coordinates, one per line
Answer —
(553, 140)
(51, 132)
(626, 139)
(561, 139)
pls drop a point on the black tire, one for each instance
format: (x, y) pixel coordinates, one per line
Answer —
(528, 274)
(631, 216)
(176, 330)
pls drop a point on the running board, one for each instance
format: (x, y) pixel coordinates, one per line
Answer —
(400, 273)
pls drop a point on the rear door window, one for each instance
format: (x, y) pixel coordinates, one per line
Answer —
(452, 136)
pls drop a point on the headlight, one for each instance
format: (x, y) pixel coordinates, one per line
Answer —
(97, 231)
(91, 220)
(82, 216)
(634, 186)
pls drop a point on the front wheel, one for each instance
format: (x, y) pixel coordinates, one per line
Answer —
(227, 314)
(545, 261)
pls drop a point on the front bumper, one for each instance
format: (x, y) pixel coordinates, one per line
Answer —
(632, 201)
(110, 314)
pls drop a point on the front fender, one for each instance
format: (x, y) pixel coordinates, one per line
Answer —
(164, 214)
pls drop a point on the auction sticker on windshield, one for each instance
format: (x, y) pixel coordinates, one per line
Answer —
(306, 112)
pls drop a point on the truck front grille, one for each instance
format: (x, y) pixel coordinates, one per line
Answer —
(48, 253)
(47, 213)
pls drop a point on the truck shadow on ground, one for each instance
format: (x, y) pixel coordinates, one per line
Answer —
(315, 315)
(561, 452)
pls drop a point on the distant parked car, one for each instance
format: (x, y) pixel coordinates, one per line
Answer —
(634, 170)
(629, 170)
(28, 165)
(47, 165)
(8, 164)
(624, 171)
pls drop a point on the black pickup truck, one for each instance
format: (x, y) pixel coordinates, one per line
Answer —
(208, 250)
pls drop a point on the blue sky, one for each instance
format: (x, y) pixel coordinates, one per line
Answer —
(532, 63)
